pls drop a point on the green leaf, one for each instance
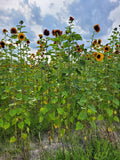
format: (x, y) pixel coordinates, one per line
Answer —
(19, 110)
(52, 116)
(100, 117)
(40, 119)
(82, 101)
(60, 110)
(24, 136)
(12, 139)
(116, 119)
(19, 95)
(12, 112)
(21, 125)
(44, 110)
(6, 125)
(14, 121)
(116, 101)
(79, 126)
(109, 112)
(92, 108)
(77, 37)
(1, 123)
(55, 100)
(27, 121)
(82, 115)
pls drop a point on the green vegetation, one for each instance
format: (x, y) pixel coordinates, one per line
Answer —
(78, 89)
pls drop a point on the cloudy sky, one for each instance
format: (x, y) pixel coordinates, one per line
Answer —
(54, 14)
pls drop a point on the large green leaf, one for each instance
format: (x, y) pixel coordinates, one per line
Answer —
(12, 112)
(6, 125)
(60, 110)
(116, 101)
(21, 125)
(82, 115)
(92, 108)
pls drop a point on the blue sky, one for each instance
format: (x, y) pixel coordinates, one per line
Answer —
(54, 14)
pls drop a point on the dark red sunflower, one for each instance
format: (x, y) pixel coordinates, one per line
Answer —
(13, 30)
(2, 43)
(28, 42)
(71, 19)
(46, 32)
(96, 28)
(4, 30)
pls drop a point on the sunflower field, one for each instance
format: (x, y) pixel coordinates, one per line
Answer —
(62, 86)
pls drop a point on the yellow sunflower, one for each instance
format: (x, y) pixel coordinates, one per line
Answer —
(21, 36)
(99, 57)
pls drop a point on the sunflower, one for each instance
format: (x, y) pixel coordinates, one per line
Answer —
(94, 42)
(46, 32)
(94, 54)
(87, 55)
(28, 42)
(40, 35)
(38, 42)
(32, 56)
(57, 32)
(2, 44)
(116, 52)
(96, 28)
(21, 36)
(71, 19)
(99, 41)
(4, 30)
(13, 30)
(10, 45)
(53, 32)
(107, 49)
(99, 57)
(110, 56)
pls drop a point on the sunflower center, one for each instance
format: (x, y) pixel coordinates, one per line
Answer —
(21, 37)
(98, 56)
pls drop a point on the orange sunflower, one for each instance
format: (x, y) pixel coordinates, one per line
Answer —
(21, 36)
(99, 57)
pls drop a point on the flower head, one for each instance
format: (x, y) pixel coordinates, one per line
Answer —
(96, 28)
(40, 35)
(71, 19)
(2, 44)
(56, 32)
(46, 32)
(21, 36)
(13, 30)
(99, 41)
(99, 57)
(94, 54)
(28, 42)
(4, 30)
(107, 48)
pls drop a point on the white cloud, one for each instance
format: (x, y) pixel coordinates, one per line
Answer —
(58, 9)
(115, 16)
(10, 4)
(113, 0)
(37, 29)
